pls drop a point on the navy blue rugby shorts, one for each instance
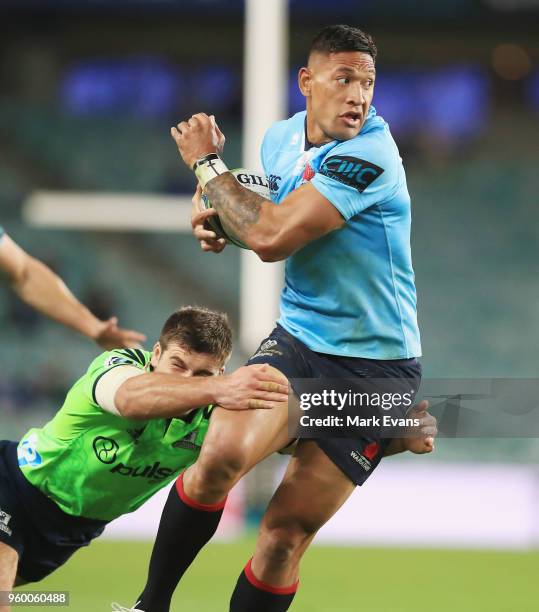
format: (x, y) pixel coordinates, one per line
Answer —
(357, 457)
(42, 534)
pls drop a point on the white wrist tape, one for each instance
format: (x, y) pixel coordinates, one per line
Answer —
(209, 167)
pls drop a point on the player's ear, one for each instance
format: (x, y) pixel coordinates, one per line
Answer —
(157, 351)
(304, 81)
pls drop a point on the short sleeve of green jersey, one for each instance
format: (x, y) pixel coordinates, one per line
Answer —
(108, 361)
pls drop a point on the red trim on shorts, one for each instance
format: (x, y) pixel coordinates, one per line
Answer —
(263, 586)
(193, 503)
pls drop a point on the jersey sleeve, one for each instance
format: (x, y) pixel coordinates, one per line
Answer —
(358, 173)
(271, 145)
(108, 361)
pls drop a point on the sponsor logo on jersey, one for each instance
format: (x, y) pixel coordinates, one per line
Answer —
(154, 473)
(105, 449)
(188, 442)
(127, 357)
(27, 453)
(115, 360)
(273, 183)
(351, 171)
(135, 434)
(4, 520)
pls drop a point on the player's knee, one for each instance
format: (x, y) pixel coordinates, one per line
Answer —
(283, 544)
(221, 464)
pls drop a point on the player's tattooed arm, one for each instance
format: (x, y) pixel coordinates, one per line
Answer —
(272, 232)
(239, 208)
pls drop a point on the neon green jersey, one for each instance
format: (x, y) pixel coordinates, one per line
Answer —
(97, 465)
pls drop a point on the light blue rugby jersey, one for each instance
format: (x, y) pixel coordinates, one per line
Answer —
(352, 292)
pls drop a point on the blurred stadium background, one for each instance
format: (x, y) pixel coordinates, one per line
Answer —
(88, 92)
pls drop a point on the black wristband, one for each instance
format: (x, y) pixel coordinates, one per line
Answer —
(206, 158)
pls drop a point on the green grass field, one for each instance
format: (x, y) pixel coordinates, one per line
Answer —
(333, 579)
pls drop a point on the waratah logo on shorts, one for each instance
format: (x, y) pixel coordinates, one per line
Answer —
(267, 345)
(371, 450)
(4, 520)
(266, 349)
(367, 456)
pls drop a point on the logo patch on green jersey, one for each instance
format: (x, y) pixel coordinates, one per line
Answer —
(136, 433)
(27, 453)
(105, 449)
(115, 360)
(154, 473)
(188, 442)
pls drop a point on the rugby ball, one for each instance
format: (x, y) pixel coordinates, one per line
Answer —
(255, 181)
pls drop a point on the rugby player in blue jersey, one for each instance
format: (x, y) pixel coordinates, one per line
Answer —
(348, 310)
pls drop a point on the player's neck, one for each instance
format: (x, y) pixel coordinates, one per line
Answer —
(314, 136)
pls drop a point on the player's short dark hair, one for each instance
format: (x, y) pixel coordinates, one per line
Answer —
(338, 38)
(200, 330)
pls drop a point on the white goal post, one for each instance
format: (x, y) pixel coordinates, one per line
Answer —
(265, 95)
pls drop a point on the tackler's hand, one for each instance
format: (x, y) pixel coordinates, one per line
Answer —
(253, 387)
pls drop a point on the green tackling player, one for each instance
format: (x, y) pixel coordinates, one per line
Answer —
(127, 428)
